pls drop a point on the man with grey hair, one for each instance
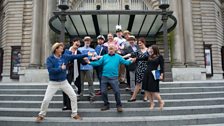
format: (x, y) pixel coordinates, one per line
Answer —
(110, 63)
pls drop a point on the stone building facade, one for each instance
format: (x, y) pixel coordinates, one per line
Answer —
(26, 39)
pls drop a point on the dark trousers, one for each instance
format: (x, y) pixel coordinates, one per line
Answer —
(128, 76)
(115, 86)
(99, 73)
(66, 100)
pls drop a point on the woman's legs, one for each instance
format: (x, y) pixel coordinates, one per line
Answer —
(161, 102)
(151, 99)
(137, 88)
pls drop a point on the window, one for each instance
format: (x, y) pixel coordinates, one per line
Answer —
(15, 62)
(111, 1)
(208, 60)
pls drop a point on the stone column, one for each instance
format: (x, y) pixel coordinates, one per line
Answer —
(48, 34)
(178, 49)
(36, 33)
(188, 33)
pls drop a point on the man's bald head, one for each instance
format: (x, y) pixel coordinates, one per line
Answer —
(111, 49)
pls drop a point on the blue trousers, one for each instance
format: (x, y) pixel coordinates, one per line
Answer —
(113, 81)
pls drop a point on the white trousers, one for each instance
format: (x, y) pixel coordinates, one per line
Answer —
(52, 88)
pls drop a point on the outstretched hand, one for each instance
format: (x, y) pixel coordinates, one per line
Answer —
(90, 54)
(86, 60)
(132, 59)
(94, 58)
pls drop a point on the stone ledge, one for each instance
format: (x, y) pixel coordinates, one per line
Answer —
(34, 75)
(188, 74)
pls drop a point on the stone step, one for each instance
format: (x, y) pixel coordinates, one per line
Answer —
(186, 103)
(58, 97)
(162, 90)
(98, 104)
(127, 112)
(216, 124)
(96, 85)
(194, 119)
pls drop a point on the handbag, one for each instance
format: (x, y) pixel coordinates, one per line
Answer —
(156, 74)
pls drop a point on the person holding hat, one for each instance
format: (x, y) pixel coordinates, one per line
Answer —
(87, 70)
(56, 66)
(100, 50)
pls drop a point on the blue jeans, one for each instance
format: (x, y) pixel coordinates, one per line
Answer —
(115, 86)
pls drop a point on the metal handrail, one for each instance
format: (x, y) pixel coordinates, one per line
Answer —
(112, 5)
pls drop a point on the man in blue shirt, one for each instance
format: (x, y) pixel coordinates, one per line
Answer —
(110, 63)
(87, 70)
(56, 66)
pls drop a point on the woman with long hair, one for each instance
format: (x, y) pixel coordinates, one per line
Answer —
(150, 85)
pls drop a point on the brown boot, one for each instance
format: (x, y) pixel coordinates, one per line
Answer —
(119, 109)
(77, 117)
(39, 119)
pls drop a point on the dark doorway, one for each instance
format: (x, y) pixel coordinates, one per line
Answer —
(222, 53)
(1, 62)
(15, 62)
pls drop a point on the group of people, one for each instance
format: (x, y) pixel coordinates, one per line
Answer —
(110, 60)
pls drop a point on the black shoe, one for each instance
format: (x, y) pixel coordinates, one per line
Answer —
(91, 99)
(127, 89)
(131, 100)
(104, 108)
(123, 82)
(109, 87)
(66, 108)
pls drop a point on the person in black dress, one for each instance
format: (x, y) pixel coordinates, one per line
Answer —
(149, 84)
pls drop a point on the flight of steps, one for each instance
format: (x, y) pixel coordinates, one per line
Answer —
(186, 103)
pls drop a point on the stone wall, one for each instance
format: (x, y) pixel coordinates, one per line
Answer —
(212, 32)
(197, 32)
(26, 33)
(12, 29)
(1, 22)
(216, 48)
(208, 29)
(15, 32)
